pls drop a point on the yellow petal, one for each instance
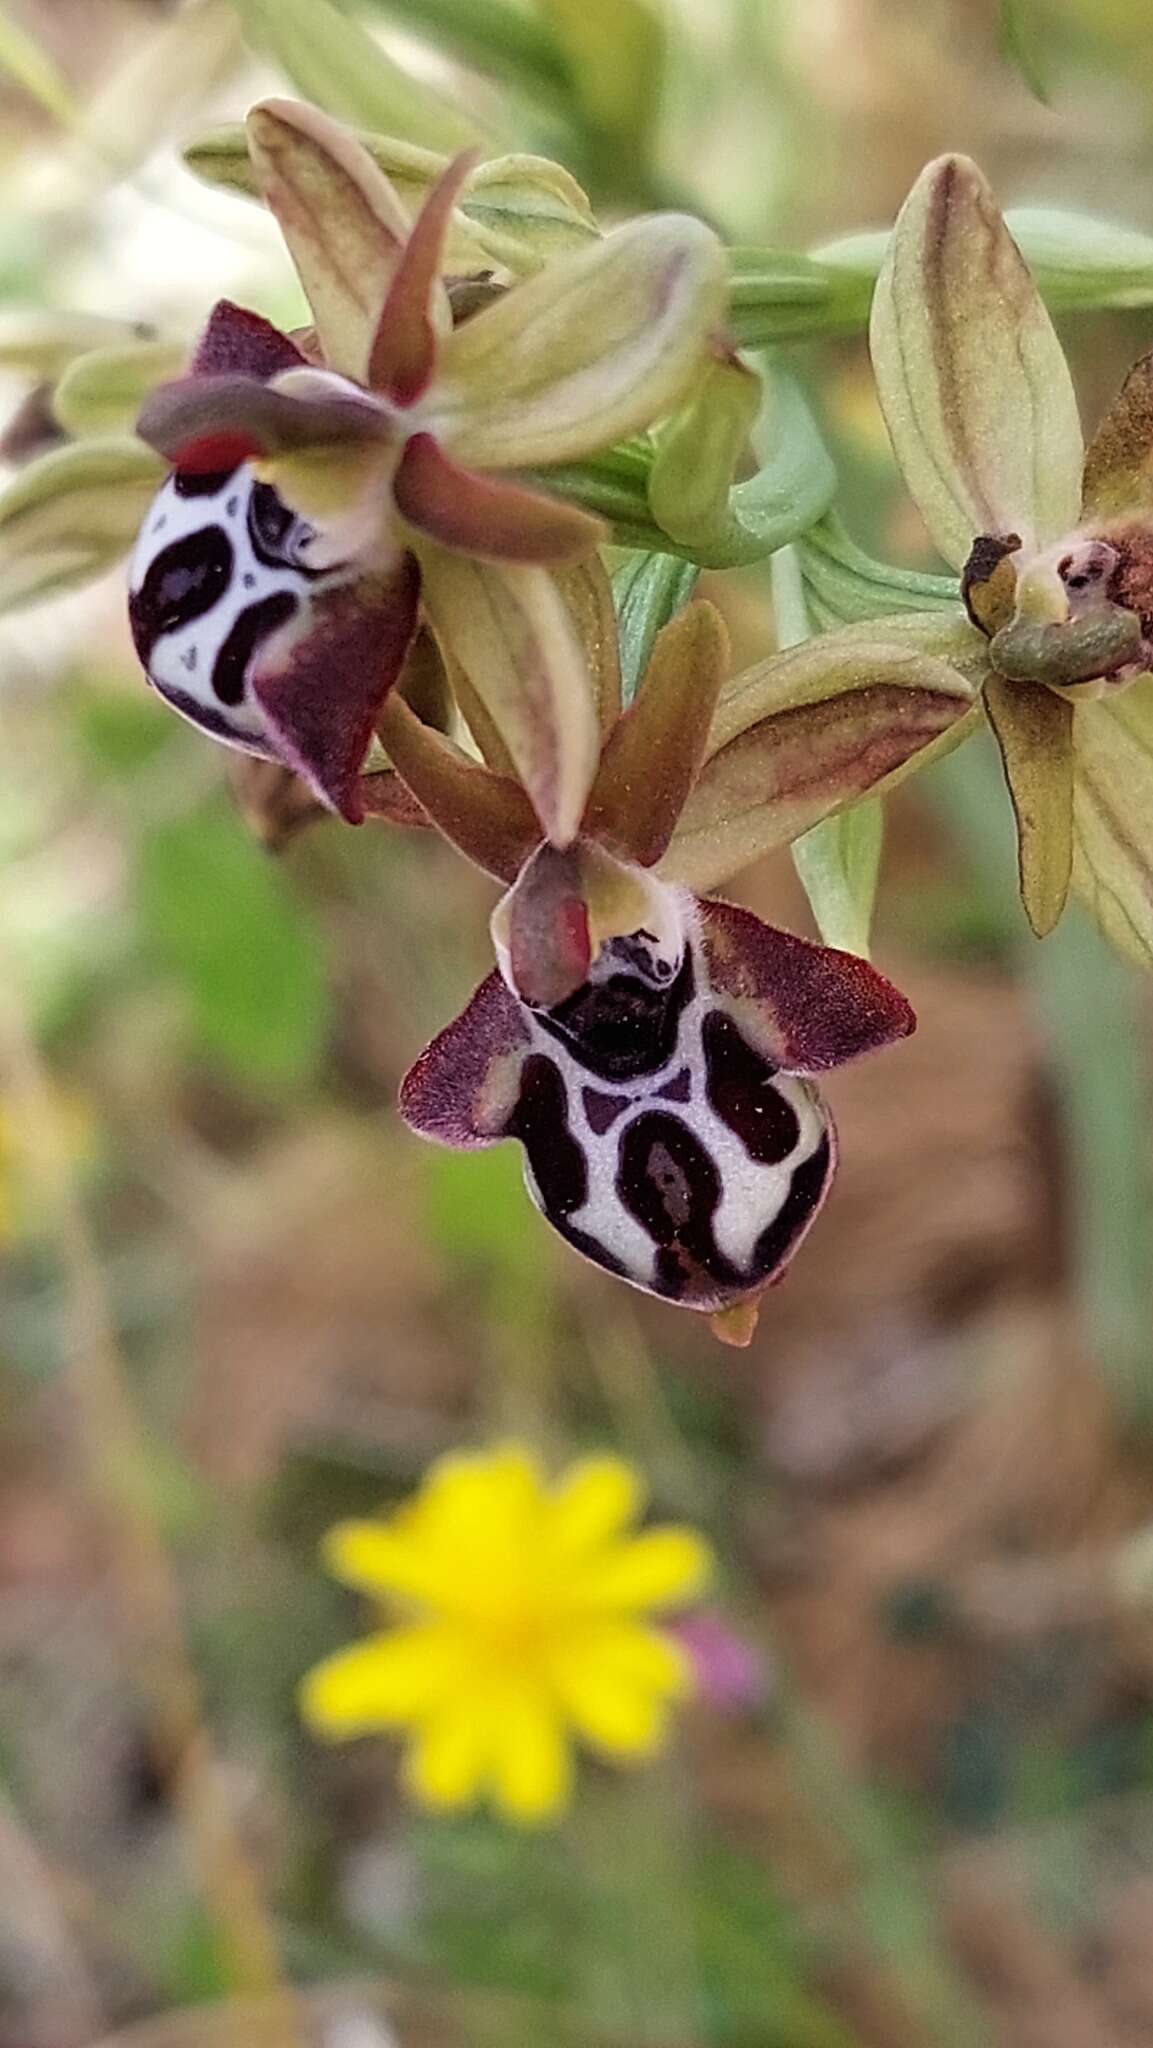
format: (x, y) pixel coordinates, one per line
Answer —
(380, 1683)
(661, 1568)
(597, 1498)
(616, 1685)
(381, 1557)
(468, 1498)
(446, 1763)
(531, 1760)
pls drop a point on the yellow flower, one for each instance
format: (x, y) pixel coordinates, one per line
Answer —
(525, 1624)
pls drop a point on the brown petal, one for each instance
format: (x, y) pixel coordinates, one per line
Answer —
(462, 1089)
(487, 816)
(384, 795)
(239, 343)
(808, 1007)
(323, 701)
(403, 348)
(1034, 730)
(484, 515)
(1119, 463)
(340, 217)
(654, 753)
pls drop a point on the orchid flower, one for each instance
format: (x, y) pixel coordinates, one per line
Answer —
(328, 488)
(656, 1052)
(1054, 545)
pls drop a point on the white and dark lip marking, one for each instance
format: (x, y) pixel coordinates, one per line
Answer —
(671, 1130)
(694, 1173)
(221, 565)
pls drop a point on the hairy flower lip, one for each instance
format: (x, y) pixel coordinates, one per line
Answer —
(652, 1050)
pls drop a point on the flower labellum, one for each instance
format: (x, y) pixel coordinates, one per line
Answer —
(671, 1129)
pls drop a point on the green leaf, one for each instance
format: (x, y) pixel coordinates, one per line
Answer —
(70, 515)
(241, 947)
(615, 52)
(510, 42)
(332, 59)
(838, 863)
(1020, 39)
(28, 63)
(648, 591)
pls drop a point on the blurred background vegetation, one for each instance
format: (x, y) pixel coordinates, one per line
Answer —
(237, 1301)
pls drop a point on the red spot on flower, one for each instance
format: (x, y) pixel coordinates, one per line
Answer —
(214, 454)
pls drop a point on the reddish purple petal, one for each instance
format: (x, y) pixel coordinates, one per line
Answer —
(815, 1007)
(322, 704)
(181, 419)
(549, 946)
(463, 1088)
(238, 343)
(404, 346)
(484, 515)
